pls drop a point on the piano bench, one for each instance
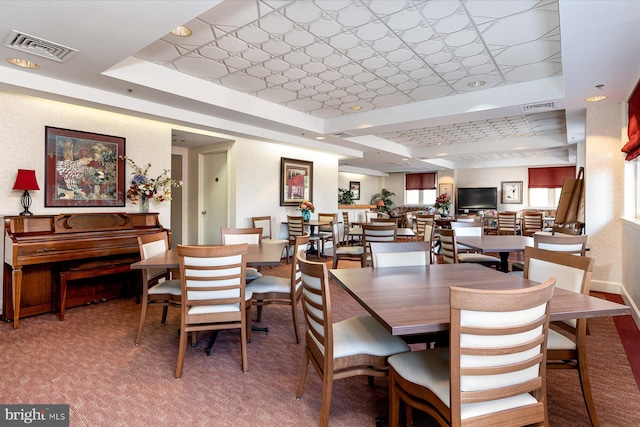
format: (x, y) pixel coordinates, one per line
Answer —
(94, 268)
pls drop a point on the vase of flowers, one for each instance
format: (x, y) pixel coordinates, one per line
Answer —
(306, 208)
(443, 201)
(144, 188)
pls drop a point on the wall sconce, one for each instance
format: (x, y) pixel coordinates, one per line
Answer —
(26, 180)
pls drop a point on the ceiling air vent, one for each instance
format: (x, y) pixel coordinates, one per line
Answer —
(40, 47)
(535, 108)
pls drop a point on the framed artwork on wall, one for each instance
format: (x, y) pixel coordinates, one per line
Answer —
(83, 169)
(511, 192)
(296, 181)
(446, 189)
(355, 187)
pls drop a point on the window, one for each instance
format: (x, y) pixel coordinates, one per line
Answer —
(545, 185)
(420, 188)
(544, 197)
(420, 197)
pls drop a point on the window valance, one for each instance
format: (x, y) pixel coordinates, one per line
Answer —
(632, 148)
(550, 177)
(420, 181)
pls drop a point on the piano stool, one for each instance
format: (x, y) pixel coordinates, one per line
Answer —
(92, 268)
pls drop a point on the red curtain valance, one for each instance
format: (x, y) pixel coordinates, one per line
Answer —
(550, 177)
(632, 148)
(421, 181)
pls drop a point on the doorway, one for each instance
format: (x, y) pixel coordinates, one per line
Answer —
(214, 191)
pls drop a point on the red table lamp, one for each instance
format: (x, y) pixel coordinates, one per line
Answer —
(26, 180)
(380, 204)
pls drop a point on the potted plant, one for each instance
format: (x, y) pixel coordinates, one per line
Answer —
(345, 197)
(384, 195)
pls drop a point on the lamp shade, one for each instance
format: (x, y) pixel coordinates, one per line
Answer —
(26, 180)
(380, 202)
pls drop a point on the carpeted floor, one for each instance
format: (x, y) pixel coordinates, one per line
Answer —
(90, 362)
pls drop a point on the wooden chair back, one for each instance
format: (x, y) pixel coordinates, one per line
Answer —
(507, 223)
(498, 343)
(369, 215)
(400, 254)
(295, 226)
(213, 293)
(326, 217)
(467, 228)
(448, 246)
(384, 220)
(235, 236)
(576, 245)
(150, 245)
(380, 232)
(531, 223)
(263, 222)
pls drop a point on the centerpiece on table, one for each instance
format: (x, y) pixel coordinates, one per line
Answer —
(442, 203)
(144, 188)
(306, 208)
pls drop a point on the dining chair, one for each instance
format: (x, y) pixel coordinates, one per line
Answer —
(324, 233)
(467, 229)
(251, 236)
(531, 223)
(267, 290)
(379, 232)
(450, 255)
(567, 344)
(295, 226)
(158, 289)
(384, 221)
(213, 294)
(358, 345)
(369, 215)
(507, 223)
(264, 222)
(400, 254)
(344, 252)
(494, 372)
(576, 245)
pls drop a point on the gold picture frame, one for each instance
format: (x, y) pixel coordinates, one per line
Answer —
(296, 181)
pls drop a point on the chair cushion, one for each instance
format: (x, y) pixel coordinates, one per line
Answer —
(430, 369)
(275, 241)
(557, 341)
(266, 284)
(171, 287)
(477, 258)
(252, 273)
(350, 250)
(364, 335)
(222, 308)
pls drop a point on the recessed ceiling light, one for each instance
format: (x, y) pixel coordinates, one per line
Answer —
(596, 98)
(355, 107)
(518, 135)
(476, 83)
(405, 159)
(320, 138)
(22, 63)
(181, 31)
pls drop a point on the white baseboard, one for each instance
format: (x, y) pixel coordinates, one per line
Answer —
(618, 289)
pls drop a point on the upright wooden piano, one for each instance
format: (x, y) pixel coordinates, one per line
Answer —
(35, 247)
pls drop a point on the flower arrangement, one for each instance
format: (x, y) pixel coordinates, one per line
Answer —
(158, 188)
(306, 206)
(442, 202)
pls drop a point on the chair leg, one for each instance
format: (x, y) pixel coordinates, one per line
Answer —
(294, 316)
(585, 384)
(259, 311)
(143, 316)
(394, 401)
(164, 315)
(182, 349)
(303, 373)
(243, 346)
(327, 390)
(248, 320)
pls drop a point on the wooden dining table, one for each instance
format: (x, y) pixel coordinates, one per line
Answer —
(501, 244)
(257, 256)
(415, 300)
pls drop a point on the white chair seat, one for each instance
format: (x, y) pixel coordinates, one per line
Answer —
(364, 335)
(477, 258)
(205, 309)
(557, 341)
(350, 250)
(275, 241)
(171, 287)
(266, 284)
(430, 369)
(252, 274)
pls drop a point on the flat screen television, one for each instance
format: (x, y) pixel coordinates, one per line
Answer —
(477, 198)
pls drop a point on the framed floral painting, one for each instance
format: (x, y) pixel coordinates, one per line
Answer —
(296, 181)
(83, 169)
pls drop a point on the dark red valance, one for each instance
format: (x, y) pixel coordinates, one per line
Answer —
(421, 181)
(550, 177)
(632, 148)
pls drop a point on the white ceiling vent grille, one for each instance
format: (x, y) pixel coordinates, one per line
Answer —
(535, 108)
(40, 47)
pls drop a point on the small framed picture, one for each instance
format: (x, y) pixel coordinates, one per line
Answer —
(355, 187)
(446, 189)
(511, 192)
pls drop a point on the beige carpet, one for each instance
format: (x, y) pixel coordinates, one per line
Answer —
(90, 362)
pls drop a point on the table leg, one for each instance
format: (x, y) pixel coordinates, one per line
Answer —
(504, 262)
